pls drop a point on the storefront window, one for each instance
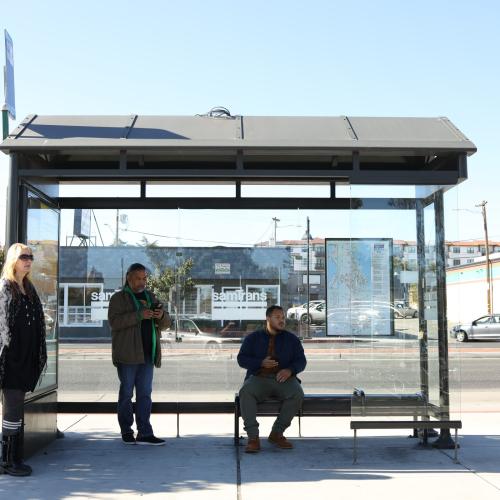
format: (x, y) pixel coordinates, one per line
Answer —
(79, 305)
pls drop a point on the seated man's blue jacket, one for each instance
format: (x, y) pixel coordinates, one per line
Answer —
(288, 350)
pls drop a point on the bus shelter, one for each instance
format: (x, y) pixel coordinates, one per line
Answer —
(371, 285)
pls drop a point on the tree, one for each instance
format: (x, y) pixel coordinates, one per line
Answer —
(166, 279)
(144, 242)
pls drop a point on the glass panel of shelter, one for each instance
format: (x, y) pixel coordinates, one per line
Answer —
(430, 300)
(221, 281)
(42, 236)
(380, 268)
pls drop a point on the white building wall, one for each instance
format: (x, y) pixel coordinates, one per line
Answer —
(467, 300)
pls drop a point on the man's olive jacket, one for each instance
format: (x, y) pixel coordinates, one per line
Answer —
(126, 337)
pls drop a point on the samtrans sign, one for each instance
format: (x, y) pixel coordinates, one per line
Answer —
(237, 304)
(101, 296)
(238, 296)
(99, 302)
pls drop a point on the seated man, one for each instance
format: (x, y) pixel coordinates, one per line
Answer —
(273, 357)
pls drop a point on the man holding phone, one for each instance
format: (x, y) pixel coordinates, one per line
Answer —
(136, 319)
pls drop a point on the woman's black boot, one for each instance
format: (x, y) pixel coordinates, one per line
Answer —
(12, 456)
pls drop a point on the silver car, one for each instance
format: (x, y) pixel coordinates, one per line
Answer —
(296, 312)
(401, 310)
(484, 328)
(317, 313)
(191, 336)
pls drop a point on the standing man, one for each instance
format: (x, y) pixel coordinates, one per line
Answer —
(273, 357)
(136, 319)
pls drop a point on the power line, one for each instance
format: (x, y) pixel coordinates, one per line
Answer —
(259, 239)
(188, 239)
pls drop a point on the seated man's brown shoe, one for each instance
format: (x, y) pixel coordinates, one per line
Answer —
(280, 441)
(253, 445)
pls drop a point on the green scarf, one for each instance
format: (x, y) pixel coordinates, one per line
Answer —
(139, 307)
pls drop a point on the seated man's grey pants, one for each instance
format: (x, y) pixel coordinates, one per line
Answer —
(257, 389)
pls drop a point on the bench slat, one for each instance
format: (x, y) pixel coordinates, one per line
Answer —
(406, 424)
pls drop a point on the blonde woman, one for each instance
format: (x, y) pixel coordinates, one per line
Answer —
(23, 352)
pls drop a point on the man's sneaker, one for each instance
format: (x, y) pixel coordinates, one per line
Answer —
(150, 440)
(253, 445)
(280, 441)
(128, 439)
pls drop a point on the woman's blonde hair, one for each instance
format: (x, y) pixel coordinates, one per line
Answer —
(13, 253)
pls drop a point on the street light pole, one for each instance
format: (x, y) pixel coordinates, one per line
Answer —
(488, 270)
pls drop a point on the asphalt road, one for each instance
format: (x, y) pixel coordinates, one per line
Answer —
(191, 372)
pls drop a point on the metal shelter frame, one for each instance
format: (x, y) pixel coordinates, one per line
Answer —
(236, 150)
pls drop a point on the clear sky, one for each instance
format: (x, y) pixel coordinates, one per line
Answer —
(363, 58)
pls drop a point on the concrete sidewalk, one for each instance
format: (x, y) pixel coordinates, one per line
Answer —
(91, 462)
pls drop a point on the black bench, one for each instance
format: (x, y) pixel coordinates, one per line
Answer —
(424, 425)
(314, 405)
(175, 408)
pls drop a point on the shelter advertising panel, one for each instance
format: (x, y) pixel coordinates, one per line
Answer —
(359, 287)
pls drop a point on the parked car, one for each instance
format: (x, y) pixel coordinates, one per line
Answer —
(360, 312)
(483, 328)
(296, 312)
(401, 310)
(189, 333)
(316, 313)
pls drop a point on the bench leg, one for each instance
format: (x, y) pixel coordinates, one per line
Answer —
(237, 422)
(456, 446)
(300, 428)
(354, 448)
(415, 430)
(178, 435)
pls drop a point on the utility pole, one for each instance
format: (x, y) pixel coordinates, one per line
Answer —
(117, 234)
(489, 292)
(276, 220)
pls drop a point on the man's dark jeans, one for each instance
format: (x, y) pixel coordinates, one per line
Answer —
(140, 377)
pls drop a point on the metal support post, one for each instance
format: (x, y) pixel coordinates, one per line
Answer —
(5, 123)
(354, 448)
(308, 323)
(12, 212)
(422, 324)
(444, 441)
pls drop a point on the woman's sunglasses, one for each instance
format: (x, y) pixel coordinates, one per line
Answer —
(26, 257)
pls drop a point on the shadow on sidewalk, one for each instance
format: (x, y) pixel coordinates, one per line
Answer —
(98, 463)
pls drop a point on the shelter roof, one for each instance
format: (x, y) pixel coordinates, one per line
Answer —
(141, 132)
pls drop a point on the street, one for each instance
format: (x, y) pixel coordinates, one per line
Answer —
(191, 373)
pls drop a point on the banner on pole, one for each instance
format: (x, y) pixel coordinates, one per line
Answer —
(10, 97)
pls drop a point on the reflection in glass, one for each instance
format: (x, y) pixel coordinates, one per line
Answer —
(243, 262)
(43, 239)
(431, 303)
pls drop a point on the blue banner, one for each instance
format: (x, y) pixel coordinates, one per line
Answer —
(10, 96)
